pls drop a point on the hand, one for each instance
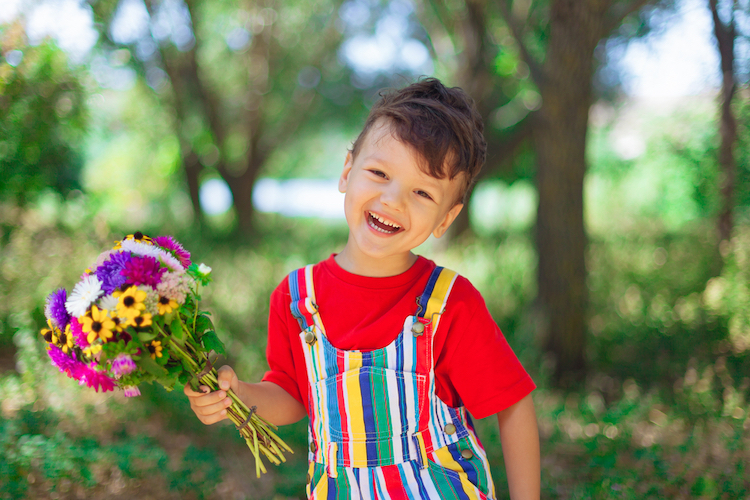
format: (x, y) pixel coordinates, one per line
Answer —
(211, 407)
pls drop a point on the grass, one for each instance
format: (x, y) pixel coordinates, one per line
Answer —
(663, 413)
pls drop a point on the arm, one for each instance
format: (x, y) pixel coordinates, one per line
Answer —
(273, 403)
(520, 440)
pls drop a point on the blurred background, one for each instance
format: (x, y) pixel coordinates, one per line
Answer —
(609, 232)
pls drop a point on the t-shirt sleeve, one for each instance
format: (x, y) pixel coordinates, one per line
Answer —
(475, 366)
(279, 353)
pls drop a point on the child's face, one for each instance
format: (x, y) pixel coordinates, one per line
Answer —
(391, 205)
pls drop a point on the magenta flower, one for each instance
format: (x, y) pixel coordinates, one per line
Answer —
(131, 391)
(88, 374)
(66, 363)
(54, 309)
(123, 364)
(144, 270)
(170, 244)
(80, 338)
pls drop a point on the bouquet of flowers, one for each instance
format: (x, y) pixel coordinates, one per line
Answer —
(134, 317)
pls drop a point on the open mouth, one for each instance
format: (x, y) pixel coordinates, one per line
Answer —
(380, 224)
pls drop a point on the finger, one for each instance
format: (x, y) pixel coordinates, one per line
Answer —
(212, 419)
(208, 399)
(226, 377)
(189, 392)
(218, 407)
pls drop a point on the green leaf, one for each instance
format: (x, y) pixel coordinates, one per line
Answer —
(212, 343)
(150, 366)
(176, 328)
(147, 336)
(203, 323)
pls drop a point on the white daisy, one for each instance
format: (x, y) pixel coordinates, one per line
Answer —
(108, 302)
(85, 292)
(171, 262)
(138, 248)
(204, 269)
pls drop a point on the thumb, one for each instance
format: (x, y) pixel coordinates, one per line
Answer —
(226, 377)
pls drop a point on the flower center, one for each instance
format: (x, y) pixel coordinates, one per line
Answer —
(151, 348)
(96, 326)
(163, 301)
(128, 301)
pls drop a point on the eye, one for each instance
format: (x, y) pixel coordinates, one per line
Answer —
(424, 194)
(378, 173)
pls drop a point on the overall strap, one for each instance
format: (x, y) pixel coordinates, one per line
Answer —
(431, 304)
(303, 306)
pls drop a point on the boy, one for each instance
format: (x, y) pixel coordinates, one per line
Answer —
(382, 349)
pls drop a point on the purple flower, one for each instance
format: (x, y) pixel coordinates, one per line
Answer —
(131, 391)
(67, 364)
(110, 272)
(170, 244)
(123, 364)
(55, 308)
(144, 270)
(88, 374)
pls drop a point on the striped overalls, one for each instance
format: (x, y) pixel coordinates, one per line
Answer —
(377, 429)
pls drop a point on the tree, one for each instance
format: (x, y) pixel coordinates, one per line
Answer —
(42, 119)
(237, 99)
(725, 33)
(564, 78)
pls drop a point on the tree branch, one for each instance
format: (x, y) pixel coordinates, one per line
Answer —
(537, 73)
(619, 11)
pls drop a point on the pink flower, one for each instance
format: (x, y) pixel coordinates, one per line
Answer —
(123, 364)
(88, 374)
(81, 338)
(170, 244)
(143, 271)
(131, 391)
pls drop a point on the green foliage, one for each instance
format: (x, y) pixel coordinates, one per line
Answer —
(42, 122)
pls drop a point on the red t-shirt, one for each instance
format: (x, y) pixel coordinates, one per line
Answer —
(474, 365)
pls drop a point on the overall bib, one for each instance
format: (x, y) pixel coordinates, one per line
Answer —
(377, 429)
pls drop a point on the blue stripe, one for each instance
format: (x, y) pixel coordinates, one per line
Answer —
(467, 466)
(428, 291)
(365, 379)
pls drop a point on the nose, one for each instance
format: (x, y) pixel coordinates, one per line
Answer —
(393, 196)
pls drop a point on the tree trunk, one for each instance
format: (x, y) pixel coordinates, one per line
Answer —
(560, 140)
(725, 34)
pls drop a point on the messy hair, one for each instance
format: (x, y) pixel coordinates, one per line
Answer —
(441, 124)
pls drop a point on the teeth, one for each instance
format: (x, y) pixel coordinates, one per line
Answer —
(383, 221)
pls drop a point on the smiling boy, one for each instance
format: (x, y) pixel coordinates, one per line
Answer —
(384, 351)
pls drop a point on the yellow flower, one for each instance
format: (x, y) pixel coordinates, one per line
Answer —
(166, 305)
(155, 349)
(97, 324)
(66, 339)
(92, 350)
(131, 303)
(140, 321)
(50, 334)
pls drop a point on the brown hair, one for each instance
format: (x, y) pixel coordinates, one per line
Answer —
(440, 123)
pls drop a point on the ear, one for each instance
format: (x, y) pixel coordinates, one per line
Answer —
(344, 179)
(448, 220)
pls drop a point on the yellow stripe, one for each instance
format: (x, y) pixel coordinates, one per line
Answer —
(321, 489)
(442, 287)
(356, 413)
(445, 459)
(354, 359)
(422, 449)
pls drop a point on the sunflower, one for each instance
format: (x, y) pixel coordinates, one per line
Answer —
(155, 349)
(92, 350)
(50, 334)
(66, 339)
(131, 303)
(140, 321)
(137, 236)
(97, 324)
(166, 305)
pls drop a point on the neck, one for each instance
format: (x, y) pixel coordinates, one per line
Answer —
(373, 267)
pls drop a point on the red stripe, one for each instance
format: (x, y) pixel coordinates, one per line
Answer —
(393, 483)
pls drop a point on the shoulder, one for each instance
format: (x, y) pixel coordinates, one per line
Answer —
(283, 291)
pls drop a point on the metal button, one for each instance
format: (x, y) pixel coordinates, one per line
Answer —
(467, 454)
(310, 337)
(417, 328)
(312, 447)
(450, 429)
(308, 477)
